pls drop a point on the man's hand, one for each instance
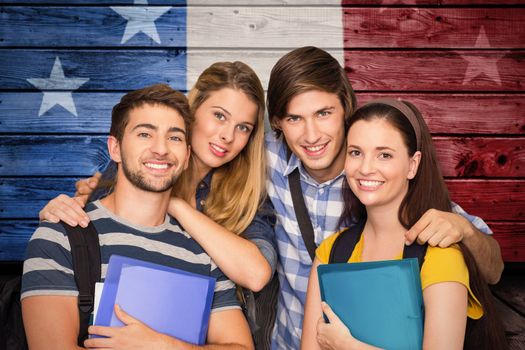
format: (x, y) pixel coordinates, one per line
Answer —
(442, 229)
(439, 229)
(134, 335)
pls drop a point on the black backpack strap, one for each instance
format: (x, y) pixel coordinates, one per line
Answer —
(85, 251)
(301, 213)
(345, 243)
(299, 207)
(415, 251)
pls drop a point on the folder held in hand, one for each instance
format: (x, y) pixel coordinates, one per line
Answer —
(169, 300)
(380, 302)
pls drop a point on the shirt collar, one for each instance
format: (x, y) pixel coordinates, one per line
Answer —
(294, 162)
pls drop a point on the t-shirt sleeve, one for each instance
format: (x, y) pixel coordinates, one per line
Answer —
(448, 265)
(474, 220)
(323, 251)
(225, 296)
(261, 233)
(48, 268)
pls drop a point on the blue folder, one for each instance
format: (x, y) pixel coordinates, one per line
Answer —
(380, 302)
(169, 300)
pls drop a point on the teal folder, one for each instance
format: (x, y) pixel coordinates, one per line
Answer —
(169, 300)
(380, 302)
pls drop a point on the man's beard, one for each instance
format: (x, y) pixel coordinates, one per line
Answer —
(138, 180)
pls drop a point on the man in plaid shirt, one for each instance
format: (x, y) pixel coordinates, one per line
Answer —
(309, 100)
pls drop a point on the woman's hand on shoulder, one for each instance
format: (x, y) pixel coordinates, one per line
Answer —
(86, 186)
(67, 209)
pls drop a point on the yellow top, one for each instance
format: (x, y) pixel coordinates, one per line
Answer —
(440, 265)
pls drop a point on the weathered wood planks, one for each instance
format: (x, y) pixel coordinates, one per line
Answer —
(22, 198)
(493, 200)
(494, 114)
(106, 69)
(52, 155)
(269, 27)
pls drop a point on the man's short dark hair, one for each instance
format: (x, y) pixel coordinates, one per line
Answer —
(158, 94)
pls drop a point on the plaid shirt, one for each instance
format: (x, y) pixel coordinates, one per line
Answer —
(325, 205)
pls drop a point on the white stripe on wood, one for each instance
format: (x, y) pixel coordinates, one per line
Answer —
(260, 61)
(264, 27)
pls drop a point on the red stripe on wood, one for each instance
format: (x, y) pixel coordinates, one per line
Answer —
(435, 70)
(511, 238)
(507, 227)
(434, 27)
(512, 247)
(466, 113)
(482, 156)
(496, 200)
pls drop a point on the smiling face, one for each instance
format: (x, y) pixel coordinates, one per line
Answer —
(314, 130)
(378, 167)
(153, 151)
(222, 128)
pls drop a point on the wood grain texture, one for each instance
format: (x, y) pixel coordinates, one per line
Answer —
(465, 113)
(434, 27)
(268, 27)
(481, 156)
(54, 26)
(14, 236)
(436, 70)
(105, 69)
(492, 200)
(52, 155)
(379, 3)
(444, 113)
(415, 70)
(19, 113)
(81, 155)
(512, 247)
(264, 27)
(23, 198)
(511, 238)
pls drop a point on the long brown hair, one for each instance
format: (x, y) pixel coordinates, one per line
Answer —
(427, 190)
(237, 187)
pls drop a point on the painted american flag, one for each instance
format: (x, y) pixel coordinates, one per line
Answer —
(64, 64)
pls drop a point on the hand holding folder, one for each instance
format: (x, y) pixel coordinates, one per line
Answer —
(380, 302)
(169, 300)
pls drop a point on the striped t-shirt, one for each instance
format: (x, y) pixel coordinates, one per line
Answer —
(48, 268)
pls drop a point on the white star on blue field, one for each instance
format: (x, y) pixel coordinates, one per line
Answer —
(57, 81)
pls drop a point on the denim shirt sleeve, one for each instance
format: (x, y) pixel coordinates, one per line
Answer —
(474, 220)
(261, 233)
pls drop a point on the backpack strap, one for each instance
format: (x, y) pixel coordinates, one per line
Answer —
(299, 206)
(85, 251)
(345, 243)
(415, 250)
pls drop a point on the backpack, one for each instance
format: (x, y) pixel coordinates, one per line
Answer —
(345, 243)
(85, 251)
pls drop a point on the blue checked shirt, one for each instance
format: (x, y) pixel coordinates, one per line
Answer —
(325, 205)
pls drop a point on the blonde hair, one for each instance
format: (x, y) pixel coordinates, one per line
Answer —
(237, 187)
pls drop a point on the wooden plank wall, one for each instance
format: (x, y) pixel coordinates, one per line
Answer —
(459, 61)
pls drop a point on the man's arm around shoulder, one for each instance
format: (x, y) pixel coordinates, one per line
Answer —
(51, 322)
